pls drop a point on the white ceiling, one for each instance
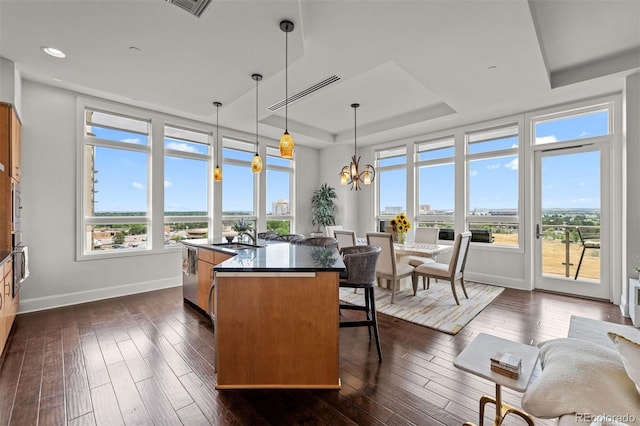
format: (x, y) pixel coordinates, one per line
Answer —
(414, 66)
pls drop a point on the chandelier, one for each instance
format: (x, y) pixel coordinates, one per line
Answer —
(352, 174)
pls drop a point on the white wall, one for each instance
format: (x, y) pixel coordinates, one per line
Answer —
(49, 149)
(307, 172)
(631, 133)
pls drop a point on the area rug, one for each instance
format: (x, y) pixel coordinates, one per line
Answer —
(434, 308)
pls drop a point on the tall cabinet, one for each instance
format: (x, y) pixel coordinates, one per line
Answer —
(10, 129)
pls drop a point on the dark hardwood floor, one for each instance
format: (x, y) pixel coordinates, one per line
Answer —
(147, 359)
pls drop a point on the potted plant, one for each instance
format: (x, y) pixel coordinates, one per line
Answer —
(323, 207)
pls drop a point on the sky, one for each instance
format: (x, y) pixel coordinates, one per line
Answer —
(123, 184)
(568, 180)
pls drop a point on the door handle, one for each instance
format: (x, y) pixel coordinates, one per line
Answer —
(538, 234)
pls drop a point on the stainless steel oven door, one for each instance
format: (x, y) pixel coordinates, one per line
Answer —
(20, 268)
(16, 224)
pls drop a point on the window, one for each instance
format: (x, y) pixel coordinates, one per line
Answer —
(186, 184)
(238, 184)
(435, 183)
(580, 124)
(279, 192)
(116, 180)
(493, 185)
(391, 174)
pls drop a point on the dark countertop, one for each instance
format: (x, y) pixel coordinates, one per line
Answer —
(283, 257)
(4, 256)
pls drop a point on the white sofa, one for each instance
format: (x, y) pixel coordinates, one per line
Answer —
(586, 378)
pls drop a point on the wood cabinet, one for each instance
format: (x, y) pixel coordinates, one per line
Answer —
(277, 330)
(14, 145)
(207, 259)
(7, 304)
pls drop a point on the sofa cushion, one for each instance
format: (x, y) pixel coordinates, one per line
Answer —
(630, 354)
(579, 376)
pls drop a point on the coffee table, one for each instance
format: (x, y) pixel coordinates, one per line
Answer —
(475, 359)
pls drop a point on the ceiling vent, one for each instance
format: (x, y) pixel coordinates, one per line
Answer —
(194, 7)
(301, 94)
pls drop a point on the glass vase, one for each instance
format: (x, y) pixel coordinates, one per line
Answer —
(402, 237)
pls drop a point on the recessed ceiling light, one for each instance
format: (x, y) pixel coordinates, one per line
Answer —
(56, 53)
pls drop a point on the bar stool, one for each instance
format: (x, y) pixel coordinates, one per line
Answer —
(361, 273)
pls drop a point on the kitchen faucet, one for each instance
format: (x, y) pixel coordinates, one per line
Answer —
(250, 235)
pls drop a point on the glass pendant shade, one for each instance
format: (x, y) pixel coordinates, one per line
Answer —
(286, 145)
(217, 174)
(256, 164)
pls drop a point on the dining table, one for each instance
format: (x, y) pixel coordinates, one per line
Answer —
(420, 249)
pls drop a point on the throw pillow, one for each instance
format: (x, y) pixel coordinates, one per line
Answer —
(579, 376)
(630, 354)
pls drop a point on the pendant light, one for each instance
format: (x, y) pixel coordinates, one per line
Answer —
(217, 172)
(286, 141)
(256, 163)
(351, 174)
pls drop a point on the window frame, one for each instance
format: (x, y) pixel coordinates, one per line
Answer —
(208, 158)
(239, 144)
(447, 141)
(379, 155)
(84, 220)
(516, 123)
(272, 151)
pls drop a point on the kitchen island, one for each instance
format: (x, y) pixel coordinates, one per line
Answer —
(277, 318)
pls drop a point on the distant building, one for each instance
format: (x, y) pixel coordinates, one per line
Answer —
(424, 209)
(392, 210)
(280, 208)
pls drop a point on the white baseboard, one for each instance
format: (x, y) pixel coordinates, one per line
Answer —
(59, 300)
(517, 283)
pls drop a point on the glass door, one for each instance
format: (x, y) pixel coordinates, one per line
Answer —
(570, 220)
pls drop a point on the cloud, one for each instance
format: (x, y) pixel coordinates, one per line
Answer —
(167, 183)
(137, 186)
(582, 200)
(493, 166)
(180, 146)
(131, 140)
(512, 165)
(546, 139)
(473, 173)
(584, 134)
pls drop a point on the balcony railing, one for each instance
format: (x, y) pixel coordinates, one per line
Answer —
(562, 249)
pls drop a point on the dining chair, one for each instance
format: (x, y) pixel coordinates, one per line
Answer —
(330, 228)
(345, 238)
(452, 271)
(327, 242)
(360, 262)
(288, 237)
(387, 268)
(423, 236)
(267, 235)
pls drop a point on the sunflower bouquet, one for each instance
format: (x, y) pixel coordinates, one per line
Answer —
(400, 225)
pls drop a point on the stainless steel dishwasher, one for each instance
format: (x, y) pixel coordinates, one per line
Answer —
(190, 274)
